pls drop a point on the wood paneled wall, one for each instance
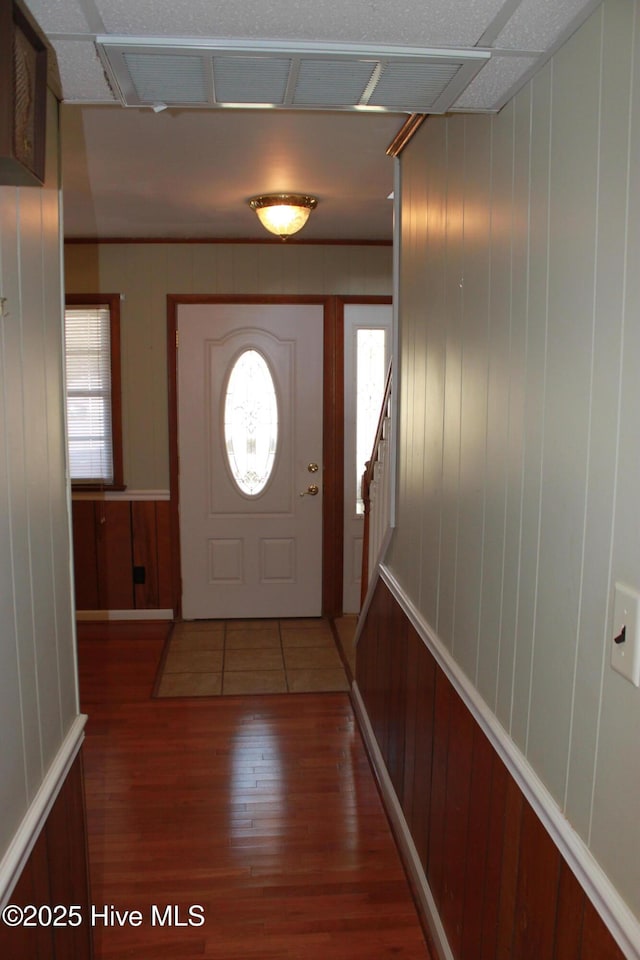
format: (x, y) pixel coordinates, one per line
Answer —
(111, 538)
(518, 453)
(38, 692)
(56, 873)
(502, 889)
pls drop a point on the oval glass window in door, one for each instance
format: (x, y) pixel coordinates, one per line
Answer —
(251, 422)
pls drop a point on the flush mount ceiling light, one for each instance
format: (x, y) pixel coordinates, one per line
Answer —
(283, 213)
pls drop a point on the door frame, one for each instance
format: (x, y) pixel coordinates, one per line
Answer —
(332, 433)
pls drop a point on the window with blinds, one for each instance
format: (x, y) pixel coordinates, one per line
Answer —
(92, 355)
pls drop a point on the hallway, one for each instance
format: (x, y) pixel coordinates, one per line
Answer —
(262, 810)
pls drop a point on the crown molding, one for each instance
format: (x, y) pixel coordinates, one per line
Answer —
(406, 133)
(229, 240)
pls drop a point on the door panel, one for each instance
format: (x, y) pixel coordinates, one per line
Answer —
(249, 555)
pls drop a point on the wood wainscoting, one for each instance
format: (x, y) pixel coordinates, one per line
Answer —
(122, 554)
(55, 874)
(499, 884)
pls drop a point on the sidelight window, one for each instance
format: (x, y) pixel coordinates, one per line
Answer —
(371, 371)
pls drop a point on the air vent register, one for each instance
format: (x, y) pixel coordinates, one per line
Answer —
(193, 73)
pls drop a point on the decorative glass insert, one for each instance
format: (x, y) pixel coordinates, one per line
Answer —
(251, 422)
(370, 378)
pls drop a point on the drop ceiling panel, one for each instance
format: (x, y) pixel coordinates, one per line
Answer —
(537, 24)
(490, 88)
(145, 73)
(427, 23)
(81, 72)
(55, 16)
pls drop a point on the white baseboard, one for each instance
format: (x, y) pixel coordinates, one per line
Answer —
(109, 615)
(121, 495)
(15, 858)
(618, 918)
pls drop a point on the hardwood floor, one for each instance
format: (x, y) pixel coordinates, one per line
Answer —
(263, 810)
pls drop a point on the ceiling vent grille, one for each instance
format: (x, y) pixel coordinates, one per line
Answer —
(250, 79)
(154, 74)
(193, 73)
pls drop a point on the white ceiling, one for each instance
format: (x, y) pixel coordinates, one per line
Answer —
(131, 172)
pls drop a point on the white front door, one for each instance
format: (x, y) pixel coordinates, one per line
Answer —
(250, 446)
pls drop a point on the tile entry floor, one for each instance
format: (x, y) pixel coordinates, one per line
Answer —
(208, 658)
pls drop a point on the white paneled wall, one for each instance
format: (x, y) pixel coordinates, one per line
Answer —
(38, 697)
(519, 472)
(146, 273)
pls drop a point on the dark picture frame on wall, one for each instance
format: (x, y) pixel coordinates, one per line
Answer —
(23, 98)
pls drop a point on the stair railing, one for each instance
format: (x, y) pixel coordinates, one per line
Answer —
(376, 492)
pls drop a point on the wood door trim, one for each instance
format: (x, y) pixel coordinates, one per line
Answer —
(333, 459)
(333, 435)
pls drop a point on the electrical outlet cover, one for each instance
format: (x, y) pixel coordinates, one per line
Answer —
(625, 656)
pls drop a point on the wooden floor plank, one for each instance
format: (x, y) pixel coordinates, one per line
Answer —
(263, 810)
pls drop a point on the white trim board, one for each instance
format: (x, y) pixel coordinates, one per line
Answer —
(15, 858)
(127, 495)
(108, 615)
(616, 915)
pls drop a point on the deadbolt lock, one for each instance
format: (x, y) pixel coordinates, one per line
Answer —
(313, 468)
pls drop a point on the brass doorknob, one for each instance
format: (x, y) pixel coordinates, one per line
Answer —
(312, 490)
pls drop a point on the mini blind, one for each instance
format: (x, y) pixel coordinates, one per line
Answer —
(88, 367)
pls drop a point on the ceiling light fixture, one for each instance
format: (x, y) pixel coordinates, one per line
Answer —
(283, 213)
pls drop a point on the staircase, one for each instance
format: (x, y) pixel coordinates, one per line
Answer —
(376, 494)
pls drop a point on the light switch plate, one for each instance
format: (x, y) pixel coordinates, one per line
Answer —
(625, 655)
